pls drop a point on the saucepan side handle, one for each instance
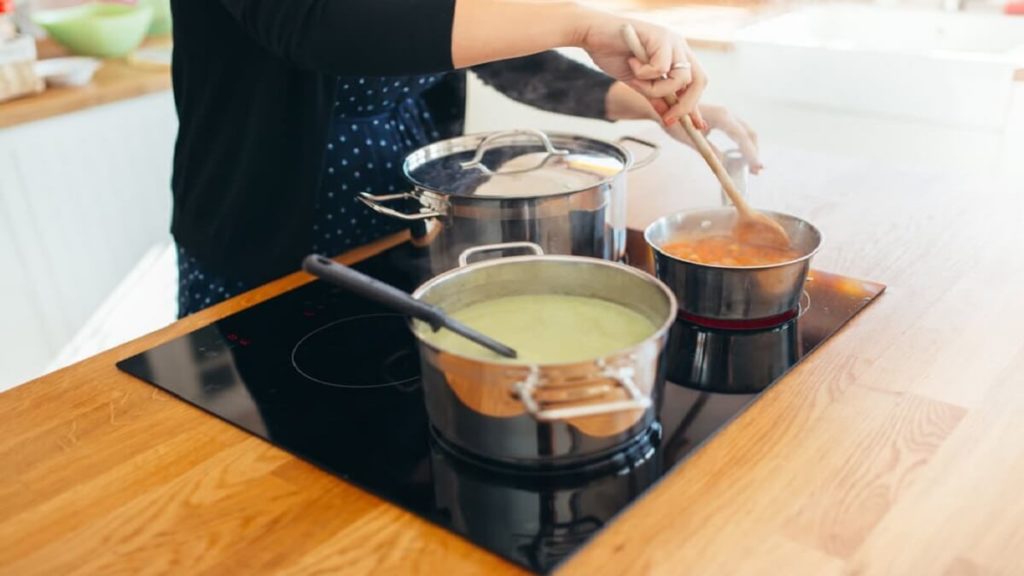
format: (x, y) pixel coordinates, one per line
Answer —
(646, 160)
(623, 378)
(530, 246)
(376, 203)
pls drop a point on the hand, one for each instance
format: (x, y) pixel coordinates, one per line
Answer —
(719, 118)
(622, 103)
(489, 30)
(666, 72)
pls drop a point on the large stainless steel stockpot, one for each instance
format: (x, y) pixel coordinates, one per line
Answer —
(544, 415)
(566, 193)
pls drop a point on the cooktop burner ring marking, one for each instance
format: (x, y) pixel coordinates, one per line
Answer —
(295, 349)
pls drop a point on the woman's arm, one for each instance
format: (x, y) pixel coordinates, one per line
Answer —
(489, 30)
(552, 82)
(391, 37)
(352, 37)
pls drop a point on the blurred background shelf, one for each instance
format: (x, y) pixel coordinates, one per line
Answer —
(116, 80)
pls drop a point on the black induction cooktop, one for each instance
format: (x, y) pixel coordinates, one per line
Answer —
(334, 379)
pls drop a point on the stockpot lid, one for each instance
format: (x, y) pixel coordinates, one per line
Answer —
(515, 164)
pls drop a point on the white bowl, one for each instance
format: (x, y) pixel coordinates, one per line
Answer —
(72, 71)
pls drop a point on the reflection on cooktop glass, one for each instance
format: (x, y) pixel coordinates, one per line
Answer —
(334, 379)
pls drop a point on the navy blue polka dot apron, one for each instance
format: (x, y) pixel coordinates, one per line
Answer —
(376, 123)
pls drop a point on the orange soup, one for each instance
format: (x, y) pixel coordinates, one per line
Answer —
(724, 250)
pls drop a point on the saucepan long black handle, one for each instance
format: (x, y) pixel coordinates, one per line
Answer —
(369, 287)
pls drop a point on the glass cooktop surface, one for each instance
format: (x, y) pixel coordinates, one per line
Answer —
(334, 379)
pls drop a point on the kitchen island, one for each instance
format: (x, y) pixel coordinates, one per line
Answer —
(895, 448)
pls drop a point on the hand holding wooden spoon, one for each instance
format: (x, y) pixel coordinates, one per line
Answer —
(751, 226)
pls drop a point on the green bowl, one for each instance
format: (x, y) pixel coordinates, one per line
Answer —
(161, 24)
(97, 29)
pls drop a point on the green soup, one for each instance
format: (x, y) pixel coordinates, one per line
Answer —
(547, 328)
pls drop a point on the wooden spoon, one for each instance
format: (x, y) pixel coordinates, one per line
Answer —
(751, 227)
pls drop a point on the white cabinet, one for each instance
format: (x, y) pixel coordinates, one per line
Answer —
(82, 197)
(24, 342)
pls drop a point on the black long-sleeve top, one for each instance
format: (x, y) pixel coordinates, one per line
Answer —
(254, 86)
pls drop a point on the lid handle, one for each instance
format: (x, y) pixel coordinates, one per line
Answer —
(488, 143)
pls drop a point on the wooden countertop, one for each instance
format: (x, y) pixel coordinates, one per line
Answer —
(115, 80)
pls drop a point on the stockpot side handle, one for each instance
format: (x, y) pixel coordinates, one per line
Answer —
(655, 150)
(375, 203)
(623, 377)
(488, 142)
(469, 252)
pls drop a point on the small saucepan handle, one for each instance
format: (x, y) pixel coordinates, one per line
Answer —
(646, 160)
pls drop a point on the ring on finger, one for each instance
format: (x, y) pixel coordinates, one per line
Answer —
(682, 66)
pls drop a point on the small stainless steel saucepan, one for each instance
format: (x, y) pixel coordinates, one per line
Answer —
(731, 293)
